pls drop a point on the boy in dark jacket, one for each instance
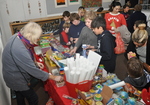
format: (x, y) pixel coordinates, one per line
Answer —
(137, 15)
(137, 76)
(66, 19)
(106, 44)
(75, 29)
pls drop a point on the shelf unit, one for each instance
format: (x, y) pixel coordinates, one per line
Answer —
(145, 4)
(48, 24)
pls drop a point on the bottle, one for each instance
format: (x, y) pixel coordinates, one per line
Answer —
(84, 50)
(100, 70)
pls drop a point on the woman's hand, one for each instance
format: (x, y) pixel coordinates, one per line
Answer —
(40, 65)
(131, 54)
(56, 78)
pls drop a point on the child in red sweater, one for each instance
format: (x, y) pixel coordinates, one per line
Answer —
(64, 39)
(114, 19)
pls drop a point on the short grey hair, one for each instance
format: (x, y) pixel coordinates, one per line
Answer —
(32, 31)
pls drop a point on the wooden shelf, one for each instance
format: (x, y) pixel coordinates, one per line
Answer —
(47, 24)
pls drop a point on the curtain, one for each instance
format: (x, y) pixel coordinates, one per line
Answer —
(5, 97)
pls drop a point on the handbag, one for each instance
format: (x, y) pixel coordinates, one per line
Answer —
(33, 82)
(120, 48)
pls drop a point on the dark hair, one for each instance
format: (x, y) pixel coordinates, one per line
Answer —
(74, 16)
(138, 22)
(66, 13)
(81, 7)
(100, 9)
(135, 67)
(125, 6)
(99, 22)
(114, 4)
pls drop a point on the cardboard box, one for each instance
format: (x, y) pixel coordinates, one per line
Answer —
(48, 54)
(49, 63)
(49, 68)
(106, 93)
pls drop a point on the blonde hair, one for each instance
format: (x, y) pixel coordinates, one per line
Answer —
(66, 25)
(90, 15)
(140, 35)
(81, 9)
(31, 31)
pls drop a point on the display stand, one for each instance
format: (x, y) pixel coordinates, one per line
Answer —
(48, 24)
(57, 93)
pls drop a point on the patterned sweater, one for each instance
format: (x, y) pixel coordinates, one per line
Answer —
(114, 20)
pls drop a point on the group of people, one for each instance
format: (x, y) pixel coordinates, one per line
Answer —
(99, 35)
(84, 27)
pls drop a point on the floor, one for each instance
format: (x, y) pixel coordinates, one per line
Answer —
(42, 95)
(121, 69)
(120, 72)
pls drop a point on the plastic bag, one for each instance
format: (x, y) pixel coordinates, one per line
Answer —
(120, 48)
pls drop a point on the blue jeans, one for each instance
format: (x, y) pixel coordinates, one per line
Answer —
(30, 95)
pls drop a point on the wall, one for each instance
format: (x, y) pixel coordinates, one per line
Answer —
(18, 10)
(51, 10)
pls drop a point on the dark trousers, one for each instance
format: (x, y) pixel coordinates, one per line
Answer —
(30, 95)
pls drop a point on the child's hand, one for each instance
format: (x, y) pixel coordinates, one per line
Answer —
(89, 47)
(93, 49)
(71, 39)
(75, 40)
(69, 43)
(73, 51)
(131, 54)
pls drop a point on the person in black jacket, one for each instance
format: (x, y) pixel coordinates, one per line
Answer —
(66, 19)
(137, 76)
(106, 44)
(126, 11)
(132, 2)
(137, 15)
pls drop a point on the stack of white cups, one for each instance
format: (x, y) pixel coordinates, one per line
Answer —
(79, 69)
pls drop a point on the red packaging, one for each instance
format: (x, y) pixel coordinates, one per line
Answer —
(82, 86)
